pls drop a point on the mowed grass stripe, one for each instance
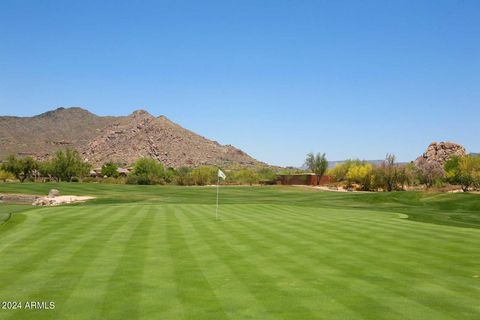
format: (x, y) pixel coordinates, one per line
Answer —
(195, 293)
(43, 246)
(125, 284)
(391, 242)
(160, 296)
(86, 254)
(298, 275)
(33, 225)
(264, 278)
(238, 301)
(428, 240)
(387, 265)
(92, 287)
(56, 277)
(450, 298)
(348, 264)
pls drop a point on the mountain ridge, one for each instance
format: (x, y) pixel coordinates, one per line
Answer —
(121, 139)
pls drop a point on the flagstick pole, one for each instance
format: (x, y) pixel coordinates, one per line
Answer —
(218, 186)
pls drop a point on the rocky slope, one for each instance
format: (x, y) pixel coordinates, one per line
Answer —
(142, 135)
(440, 152)
(40, 136)
(117, 139)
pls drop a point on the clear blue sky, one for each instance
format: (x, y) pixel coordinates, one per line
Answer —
(276, 78)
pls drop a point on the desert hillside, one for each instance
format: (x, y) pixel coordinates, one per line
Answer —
(120, 139)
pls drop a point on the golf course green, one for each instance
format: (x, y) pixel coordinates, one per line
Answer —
(157, 252)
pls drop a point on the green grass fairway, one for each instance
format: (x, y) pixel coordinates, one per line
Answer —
(276, 253)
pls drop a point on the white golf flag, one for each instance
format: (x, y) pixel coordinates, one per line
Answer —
(221, 174)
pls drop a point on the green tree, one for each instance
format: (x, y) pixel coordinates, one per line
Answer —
(318, 164)
(21, 168)
(148, 171)
(464, 171)
(110, 170)
(66, 165)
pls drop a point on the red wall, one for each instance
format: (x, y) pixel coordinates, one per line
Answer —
(303, 179)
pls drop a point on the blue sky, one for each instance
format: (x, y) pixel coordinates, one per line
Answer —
(278, 79)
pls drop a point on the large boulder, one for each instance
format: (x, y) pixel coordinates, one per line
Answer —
(441, 152)
(53, 193)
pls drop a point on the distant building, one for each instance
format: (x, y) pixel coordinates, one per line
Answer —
(307, 179)
(123, 172)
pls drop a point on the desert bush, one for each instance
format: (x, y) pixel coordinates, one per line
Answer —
(266, 174)
(339, 172)
(112, 180)
(360, 174)
(182, 176)
(204, 175)
(428, 172)
(109, 170)
(169, 176)
(245, 176)
(21, 168)
(464, 171)
(4, 176)
(90, 179)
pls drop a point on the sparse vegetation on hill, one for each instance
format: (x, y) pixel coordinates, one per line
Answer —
(121, 140)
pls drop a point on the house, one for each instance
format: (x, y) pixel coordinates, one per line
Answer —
(308, 179)
(123, 172)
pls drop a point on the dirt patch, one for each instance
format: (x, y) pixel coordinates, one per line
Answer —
(55, 201)
(332, 189)
(18, 198)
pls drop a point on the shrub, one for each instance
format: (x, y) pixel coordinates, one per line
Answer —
(21, 168)
(4, 176)
(109, 170)
(112, 180)
(428, 172)
(266, 174)
(339, 172)
(246, 176)
(204, 175)
(183, 176)
(361, 174)
(132, 179)
(464, 171)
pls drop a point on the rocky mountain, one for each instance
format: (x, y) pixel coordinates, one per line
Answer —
(440, 152)
(118, 139)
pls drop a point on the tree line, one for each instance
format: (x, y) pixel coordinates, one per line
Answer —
(70, 167)
(389, 175)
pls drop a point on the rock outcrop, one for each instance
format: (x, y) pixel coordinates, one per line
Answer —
(440, 152)
(53, 193)
(143, 135)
